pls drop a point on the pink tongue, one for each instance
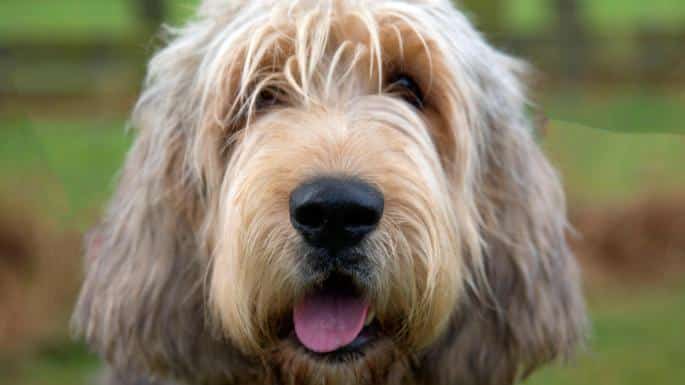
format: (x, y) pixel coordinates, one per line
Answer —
(327, 321)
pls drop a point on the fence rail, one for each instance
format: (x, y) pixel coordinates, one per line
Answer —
(117, 66)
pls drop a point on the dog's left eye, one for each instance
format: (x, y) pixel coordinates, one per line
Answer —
(270, 97)
(406, 87)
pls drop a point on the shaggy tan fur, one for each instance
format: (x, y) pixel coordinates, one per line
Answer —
(196, 263)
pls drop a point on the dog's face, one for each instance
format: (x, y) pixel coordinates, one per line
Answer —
(341, 226)
(327, 190)
(337, 233)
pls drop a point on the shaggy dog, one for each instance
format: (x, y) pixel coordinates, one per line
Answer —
(332, 192)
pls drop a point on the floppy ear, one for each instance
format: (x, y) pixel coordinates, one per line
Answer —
(525, 306)
(142, 305)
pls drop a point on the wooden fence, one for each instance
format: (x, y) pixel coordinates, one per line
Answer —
(116, 67)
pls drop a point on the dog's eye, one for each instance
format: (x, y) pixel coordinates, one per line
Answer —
(269, 97)
(405, 87)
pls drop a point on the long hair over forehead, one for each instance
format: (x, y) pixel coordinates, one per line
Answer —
(308, 50)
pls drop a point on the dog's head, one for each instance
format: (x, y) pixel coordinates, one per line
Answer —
(333, 192)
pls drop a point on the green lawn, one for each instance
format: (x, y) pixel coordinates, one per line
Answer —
(65, 168)
(39, 18)
(636, 341)
(79, 18)
(608, 16)
(58, 363)
(616, 144)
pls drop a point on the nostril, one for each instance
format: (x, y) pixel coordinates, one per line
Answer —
(361, 216)
(311, 216)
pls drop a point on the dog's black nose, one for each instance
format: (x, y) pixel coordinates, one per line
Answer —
(335, 213)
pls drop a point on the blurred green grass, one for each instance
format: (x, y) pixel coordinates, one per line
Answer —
(611, 145)
(609, 16)
(64, 168)
(59, 363)
(78, 19)
(636, 340)
(115, 18)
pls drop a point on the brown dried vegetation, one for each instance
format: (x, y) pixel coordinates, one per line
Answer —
(639, 243)
(39, 270)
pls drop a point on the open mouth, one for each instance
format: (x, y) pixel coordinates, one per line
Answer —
(335, 321)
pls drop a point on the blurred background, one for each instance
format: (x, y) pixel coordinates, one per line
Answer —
(610, 86)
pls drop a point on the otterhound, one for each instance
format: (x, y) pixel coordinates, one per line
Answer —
(332, 192)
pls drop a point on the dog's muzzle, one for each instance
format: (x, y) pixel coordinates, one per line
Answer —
(333, 216)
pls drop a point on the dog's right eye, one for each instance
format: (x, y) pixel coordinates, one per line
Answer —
(406, 87)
